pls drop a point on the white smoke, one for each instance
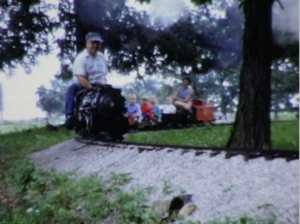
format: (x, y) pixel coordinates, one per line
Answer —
(286, 21)
(163, 12)
(167, 12)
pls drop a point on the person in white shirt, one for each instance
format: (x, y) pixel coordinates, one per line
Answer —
(89, 68)
(169, 108)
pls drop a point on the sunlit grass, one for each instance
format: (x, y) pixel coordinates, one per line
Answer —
(30, 140)
(284, 136)
(10, 128)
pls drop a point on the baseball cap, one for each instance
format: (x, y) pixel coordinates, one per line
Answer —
(93, 37)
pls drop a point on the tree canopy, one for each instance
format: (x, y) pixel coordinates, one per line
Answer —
(25, 29)
(52, 100)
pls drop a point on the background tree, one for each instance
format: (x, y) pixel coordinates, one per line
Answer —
(285, 84)
(52, 100)
(25, 32)
(252, 124)
(133, 42)
(66, 43)
(143, 87)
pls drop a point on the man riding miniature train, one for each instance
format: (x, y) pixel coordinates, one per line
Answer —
(90, 68)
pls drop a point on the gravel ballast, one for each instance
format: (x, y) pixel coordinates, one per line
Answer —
(221, 187)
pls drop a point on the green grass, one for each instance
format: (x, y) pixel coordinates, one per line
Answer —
(48, 197)
(285, 135)
(17, 127)
(284, 116)
(24, 142)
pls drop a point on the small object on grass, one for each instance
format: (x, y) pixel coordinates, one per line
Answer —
(187, 210)
(178, 202)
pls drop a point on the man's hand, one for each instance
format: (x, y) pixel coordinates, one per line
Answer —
(84, 82)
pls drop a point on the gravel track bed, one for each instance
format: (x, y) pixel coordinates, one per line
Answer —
(220, 187)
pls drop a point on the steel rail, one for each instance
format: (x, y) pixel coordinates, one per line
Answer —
(248, 154)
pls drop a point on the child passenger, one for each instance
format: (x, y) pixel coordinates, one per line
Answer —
(147, 110)
(156, 109)
(169, 108)
(133, 109)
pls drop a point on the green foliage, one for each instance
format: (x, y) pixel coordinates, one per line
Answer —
(50, 197)
(148, 87)
(285, 83)
(167, 189)
(24, 32)
(201, 2)
(197, 2)
(284, 136)
(133, 42)
(269, 219)
(66, 43)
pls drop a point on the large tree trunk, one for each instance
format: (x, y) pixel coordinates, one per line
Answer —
(78, 4)
(252, 124)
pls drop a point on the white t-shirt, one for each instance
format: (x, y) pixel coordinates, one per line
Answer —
(94, 69)
(169, 109)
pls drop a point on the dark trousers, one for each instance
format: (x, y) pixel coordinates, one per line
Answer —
(71, 98)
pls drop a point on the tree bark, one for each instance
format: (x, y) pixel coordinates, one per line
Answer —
(78, 4)
(252, 123)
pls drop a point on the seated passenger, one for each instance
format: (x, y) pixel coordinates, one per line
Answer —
(183, 98)
(147, 110)
(134, 112)
(169, 108)
(156, 109)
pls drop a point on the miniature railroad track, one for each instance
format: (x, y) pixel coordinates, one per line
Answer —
(247, 154)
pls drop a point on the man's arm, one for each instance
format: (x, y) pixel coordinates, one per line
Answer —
(189, 97)
(84, 82)
(80, 72)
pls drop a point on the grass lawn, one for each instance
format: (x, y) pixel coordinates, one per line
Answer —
(284, 136)
(29, 195)
(284, 115)
(9, 128)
